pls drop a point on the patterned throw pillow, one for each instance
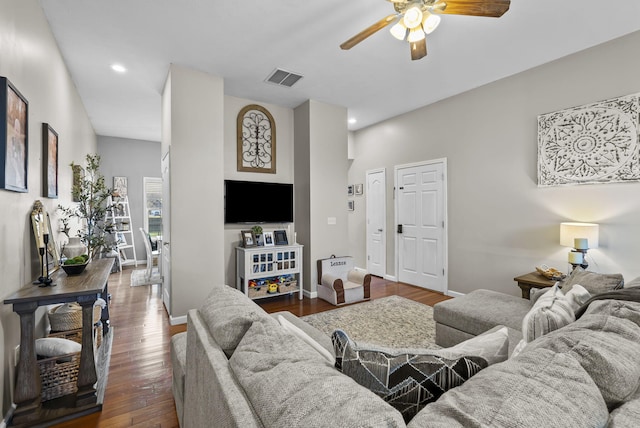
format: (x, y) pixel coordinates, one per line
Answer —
(408, 382)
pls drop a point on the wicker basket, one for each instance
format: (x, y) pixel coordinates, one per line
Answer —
(288, 287)
(59, 375)
(72, 320)
(258, 291)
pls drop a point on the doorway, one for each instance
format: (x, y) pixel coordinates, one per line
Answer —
(376, 222)
(421, 221)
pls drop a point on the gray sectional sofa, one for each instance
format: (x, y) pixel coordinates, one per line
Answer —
(236, 366)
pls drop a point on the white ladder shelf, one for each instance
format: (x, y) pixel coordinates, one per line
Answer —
(120, 217)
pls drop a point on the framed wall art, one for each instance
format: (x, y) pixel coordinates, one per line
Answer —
(593, 143)
(120, 186)
(256, 134)
(14, 138)
(49, 162)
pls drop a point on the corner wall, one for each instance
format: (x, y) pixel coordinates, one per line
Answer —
(501, 224)
(30, 59)
(196, 148)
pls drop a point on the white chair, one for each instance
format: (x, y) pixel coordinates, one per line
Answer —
(340, 283)
(151, 276)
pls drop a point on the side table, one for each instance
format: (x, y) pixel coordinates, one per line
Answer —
(532, 280)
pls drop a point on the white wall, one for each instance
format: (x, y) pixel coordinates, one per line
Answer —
(30, 59)
(283, 118)
(501, 224)
(195, 100)
(134, 159)
(320, 171)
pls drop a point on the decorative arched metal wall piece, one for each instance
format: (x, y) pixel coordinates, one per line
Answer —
(256, 131)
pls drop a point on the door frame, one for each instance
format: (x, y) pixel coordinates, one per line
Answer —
(384, 217)
(445, 245)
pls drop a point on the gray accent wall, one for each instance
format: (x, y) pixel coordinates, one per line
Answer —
(501, 224)
(30, 59)
(134, 159)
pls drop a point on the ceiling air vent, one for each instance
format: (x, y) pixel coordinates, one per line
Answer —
(283, 77)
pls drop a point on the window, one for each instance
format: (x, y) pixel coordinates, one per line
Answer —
(153, 206)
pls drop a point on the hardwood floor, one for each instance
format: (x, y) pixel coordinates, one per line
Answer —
(139, 386)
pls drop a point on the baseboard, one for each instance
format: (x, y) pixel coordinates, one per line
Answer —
(454, 294)
(391, 278)
(8, 416)
(177, 320)
(310, 294)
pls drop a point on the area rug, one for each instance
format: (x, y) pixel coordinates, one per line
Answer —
(138, 277)
(389, 321)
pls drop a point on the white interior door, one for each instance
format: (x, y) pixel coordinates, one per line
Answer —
(166, 233)
(376, 222)
(421, 234)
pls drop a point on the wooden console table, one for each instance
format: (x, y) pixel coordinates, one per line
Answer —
(532, 280)
(85, 289)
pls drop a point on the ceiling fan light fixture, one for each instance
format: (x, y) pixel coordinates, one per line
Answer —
(430, 22)
(413, 17)
(399, 31)
(415, 35)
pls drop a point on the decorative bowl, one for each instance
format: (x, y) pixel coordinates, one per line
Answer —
(76, 269)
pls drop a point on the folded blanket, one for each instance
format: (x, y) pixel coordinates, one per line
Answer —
(629, 294)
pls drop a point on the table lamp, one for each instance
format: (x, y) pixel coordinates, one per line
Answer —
(581, 237)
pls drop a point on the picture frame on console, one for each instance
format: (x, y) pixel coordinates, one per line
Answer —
(280, 237)
(14, 138)
(248, 238)
(268, 239)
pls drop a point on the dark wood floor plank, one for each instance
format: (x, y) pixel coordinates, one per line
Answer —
(139, 387)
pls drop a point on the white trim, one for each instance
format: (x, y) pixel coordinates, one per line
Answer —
(445, 186)
(384, 215)
(310, 294)
(178, 320)
(391, 278)
(454, 294)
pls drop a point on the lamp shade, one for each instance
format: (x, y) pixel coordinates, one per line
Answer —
(569, 232)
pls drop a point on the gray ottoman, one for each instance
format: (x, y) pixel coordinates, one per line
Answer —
(468, 316)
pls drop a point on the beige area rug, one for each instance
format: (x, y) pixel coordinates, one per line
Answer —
(138, 277)
(391, 321)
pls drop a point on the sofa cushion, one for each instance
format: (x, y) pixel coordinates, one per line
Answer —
(322, 338)
(627, 415)
(634, 283)
(229, 313)
(535, 389)
(594, 282)
(409, 379)
(300, 334)
(290, 385)
(606, 342)
(481, 310)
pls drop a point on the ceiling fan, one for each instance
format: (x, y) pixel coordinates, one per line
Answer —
(414, 19)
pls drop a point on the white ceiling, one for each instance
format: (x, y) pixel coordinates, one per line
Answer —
(244, 41)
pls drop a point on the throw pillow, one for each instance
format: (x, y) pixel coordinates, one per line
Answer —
(56, 347)
(550, 312)
(288, 326)
(594, 282)
(409, 381)
(229, 313)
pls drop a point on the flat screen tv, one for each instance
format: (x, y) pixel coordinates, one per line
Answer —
(257, 202)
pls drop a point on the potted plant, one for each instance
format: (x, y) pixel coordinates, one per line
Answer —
(91, 194)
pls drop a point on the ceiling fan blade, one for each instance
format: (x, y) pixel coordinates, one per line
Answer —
(368, 31)
(418, 49)
(490, 8)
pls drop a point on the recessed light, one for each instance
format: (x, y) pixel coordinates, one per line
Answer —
(352, 121)
(118, 68)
